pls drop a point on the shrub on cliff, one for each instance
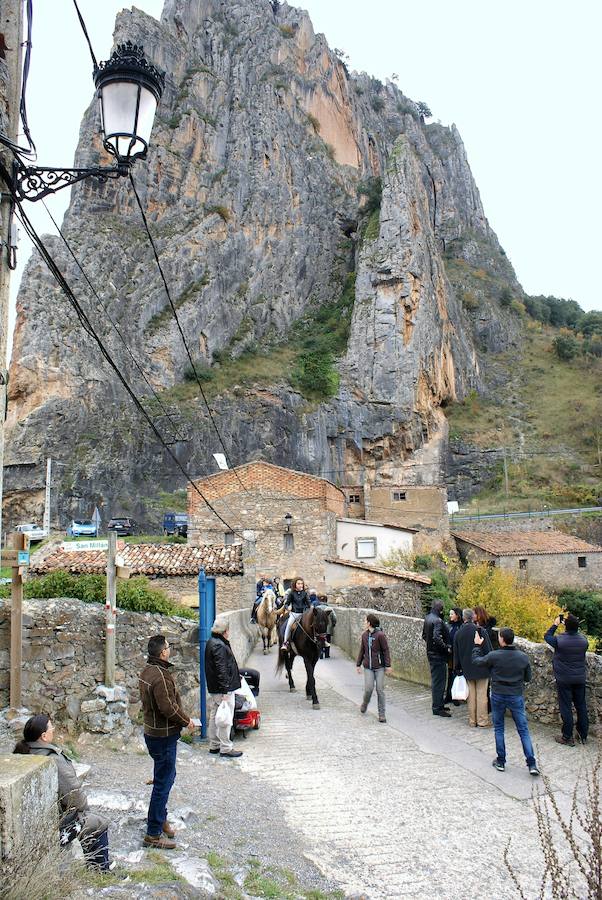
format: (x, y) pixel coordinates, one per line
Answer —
(135, 595)
(515, 603)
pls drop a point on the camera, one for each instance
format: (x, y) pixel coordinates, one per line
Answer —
(561, 617)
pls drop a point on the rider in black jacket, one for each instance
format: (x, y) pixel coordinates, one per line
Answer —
(297, 602)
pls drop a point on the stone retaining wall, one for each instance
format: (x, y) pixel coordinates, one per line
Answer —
(63, 657)
(403, 599)
(410, 663)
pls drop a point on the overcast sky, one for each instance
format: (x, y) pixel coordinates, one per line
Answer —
(521, 81)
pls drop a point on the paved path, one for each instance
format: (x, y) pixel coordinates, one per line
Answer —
(411, 808)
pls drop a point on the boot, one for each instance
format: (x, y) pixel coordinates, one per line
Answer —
(168, 830)
(159, 841)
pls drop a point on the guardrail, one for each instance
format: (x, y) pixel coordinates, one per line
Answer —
(544, 512)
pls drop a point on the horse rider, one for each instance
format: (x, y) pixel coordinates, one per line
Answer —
(297, 603)
(313, 597)
(262, 587)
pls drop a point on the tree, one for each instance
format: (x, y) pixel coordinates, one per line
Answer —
(590, 323)
(505, 297)
(423, 110)
(565, 346)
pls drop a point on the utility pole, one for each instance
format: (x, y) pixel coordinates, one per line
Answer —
(111, 611)
(506, 474)
(18, 557)
(46, 522)
(11, 30)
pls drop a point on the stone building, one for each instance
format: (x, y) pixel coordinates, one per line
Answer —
(291, 517)
(421, 507)
(369, 542)
(550, 558)
(174, 566)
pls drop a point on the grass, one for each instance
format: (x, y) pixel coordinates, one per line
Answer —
(5, 572)
(558, 405)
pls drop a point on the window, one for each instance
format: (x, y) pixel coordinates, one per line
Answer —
(582, 562)
(522, 563)
(354, 498)
(398, 495)
(228, 538)
(288, 542)
(365, 548)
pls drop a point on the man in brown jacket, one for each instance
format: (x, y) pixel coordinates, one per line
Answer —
(375, 657)
(164, 719)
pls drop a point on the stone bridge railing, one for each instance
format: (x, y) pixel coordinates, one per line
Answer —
(410, 663)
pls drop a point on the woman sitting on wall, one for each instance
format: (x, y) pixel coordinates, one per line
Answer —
(76, 818)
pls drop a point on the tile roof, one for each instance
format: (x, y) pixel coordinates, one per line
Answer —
(526, 543)
(396, 573)
(148, 559)
(378, 524)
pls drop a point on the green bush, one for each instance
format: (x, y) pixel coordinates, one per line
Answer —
(586, 605)
(135, 595)
(439, 589)
(378, 104)
(423, 562)
(316, 376)
(506, 297)
(203, 372)
(565, 347)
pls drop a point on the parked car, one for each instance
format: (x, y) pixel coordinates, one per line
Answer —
(175, 523)
(33, 531)
(123, 525)
(82, 528)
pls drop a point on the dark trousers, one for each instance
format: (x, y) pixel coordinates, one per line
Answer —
(438, 678)
(569, 694)
(96, 850)
(163, 752)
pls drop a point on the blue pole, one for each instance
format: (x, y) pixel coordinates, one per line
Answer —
(206, 620)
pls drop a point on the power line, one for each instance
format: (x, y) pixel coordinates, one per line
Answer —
(177, 320)
(89, 328)
(86, 35)
(112, 321)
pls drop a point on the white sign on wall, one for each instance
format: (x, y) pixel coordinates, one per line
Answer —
(75, 546)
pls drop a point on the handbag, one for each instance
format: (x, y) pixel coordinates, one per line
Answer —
(459, 688)
(223, 716)
(70, 826)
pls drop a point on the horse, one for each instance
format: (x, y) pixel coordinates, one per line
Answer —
(307, 639)
(267, 614)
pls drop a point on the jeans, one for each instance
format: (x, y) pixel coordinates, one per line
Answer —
(163, 751)
(96, 850)
(516, 704)
(567, 695)
(438, 678)
(375, 678)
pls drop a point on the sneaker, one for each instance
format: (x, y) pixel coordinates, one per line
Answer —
(363, 707)
(499, 765)
(211, 750)
(561, 739)
(232, 754)
(442, 712)
(382, 719)
(582, 740)
(533, 770)
(159, 842)
(168, 830)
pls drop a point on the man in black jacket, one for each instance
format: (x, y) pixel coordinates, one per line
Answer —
(569, 669)
(438, 649)
(476, 679)
(509, 669)
(223, 680)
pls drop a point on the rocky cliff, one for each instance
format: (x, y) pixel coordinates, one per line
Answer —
(275, 180)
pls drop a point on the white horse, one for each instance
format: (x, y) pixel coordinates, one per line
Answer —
(267, 613)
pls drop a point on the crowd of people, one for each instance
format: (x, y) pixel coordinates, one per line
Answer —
(462, 648)
(494, 679)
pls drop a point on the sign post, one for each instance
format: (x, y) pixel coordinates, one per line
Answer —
(206, 619)
(18, 556)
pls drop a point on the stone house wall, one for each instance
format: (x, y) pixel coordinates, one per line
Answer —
(410, 663)
(231, 590)
(403, 598)
(424, 508)
(63, 653)
(552, 570)
(340, 576)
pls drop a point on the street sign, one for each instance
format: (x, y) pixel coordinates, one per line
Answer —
(80, 546)
(96, 518)
(23, 557)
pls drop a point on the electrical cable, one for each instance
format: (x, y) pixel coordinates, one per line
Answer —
(26, 64)
(86, 35)
(113, 323)
(89, 328)
(179, 325)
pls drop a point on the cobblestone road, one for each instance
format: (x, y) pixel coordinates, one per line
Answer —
(411, 808)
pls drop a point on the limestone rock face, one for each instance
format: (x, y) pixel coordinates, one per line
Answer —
(261, 141)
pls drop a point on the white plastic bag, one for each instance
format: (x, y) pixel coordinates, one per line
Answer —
(247, 693)
(459, 689)
(223, 716)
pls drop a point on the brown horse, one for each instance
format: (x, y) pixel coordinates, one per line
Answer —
(307, 639)
(267, 614)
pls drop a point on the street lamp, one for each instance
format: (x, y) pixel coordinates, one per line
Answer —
(129, 88)
(288, 519)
